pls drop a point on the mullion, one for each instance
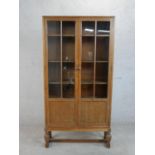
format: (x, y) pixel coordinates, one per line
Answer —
(94, 60)
(61, 57)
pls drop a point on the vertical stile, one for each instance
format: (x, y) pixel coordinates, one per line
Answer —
(80, 55)
(79, 50)
(110, 68)
(61, 57)
(94, 59)
(77, 73)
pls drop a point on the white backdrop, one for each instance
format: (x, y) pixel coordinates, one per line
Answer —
(31, 54)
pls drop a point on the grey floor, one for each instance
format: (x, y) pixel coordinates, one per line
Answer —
(123, 142)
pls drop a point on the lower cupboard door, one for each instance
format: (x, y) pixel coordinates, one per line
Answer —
(92, 114)
(62, 114)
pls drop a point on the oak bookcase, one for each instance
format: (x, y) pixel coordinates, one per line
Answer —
(78, 67)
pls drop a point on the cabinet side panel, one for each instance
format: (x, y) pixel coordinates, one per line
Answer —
(110, 73)
(45, 69)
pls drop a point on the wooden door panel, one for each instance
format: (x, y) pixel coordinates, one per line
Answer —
(61, 113)
(92, 113)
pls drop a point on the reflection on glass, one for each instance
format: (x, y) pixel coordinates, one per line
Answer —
(88, 28)
(103, 28)
(103, 31)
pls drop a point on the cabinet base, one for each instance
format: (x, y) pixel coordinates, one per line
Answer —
(106, 140)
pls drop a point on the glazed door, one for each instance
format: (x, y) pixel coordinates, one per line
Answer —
(62, 75)
(61, 59)
(77, 56)
(94, 61)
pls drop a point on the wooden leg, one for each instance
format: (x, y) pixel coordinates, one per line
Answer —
(107, 138)
(47, 138)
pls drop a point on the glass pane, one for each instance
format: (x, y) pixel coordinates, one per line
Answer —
(87, 67)
(68, 48)
(54, 73)
(86, 90)
(87, 48)
(101, 91)
(88, 28)
(102, 48)
(54, 90)
(68, 57)
(53, 27)
(101, 72)
(53, 48)
(68, 90)
(103, 28)
(68, 28)
(68, 80)
(68, 73)
(87, 73)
